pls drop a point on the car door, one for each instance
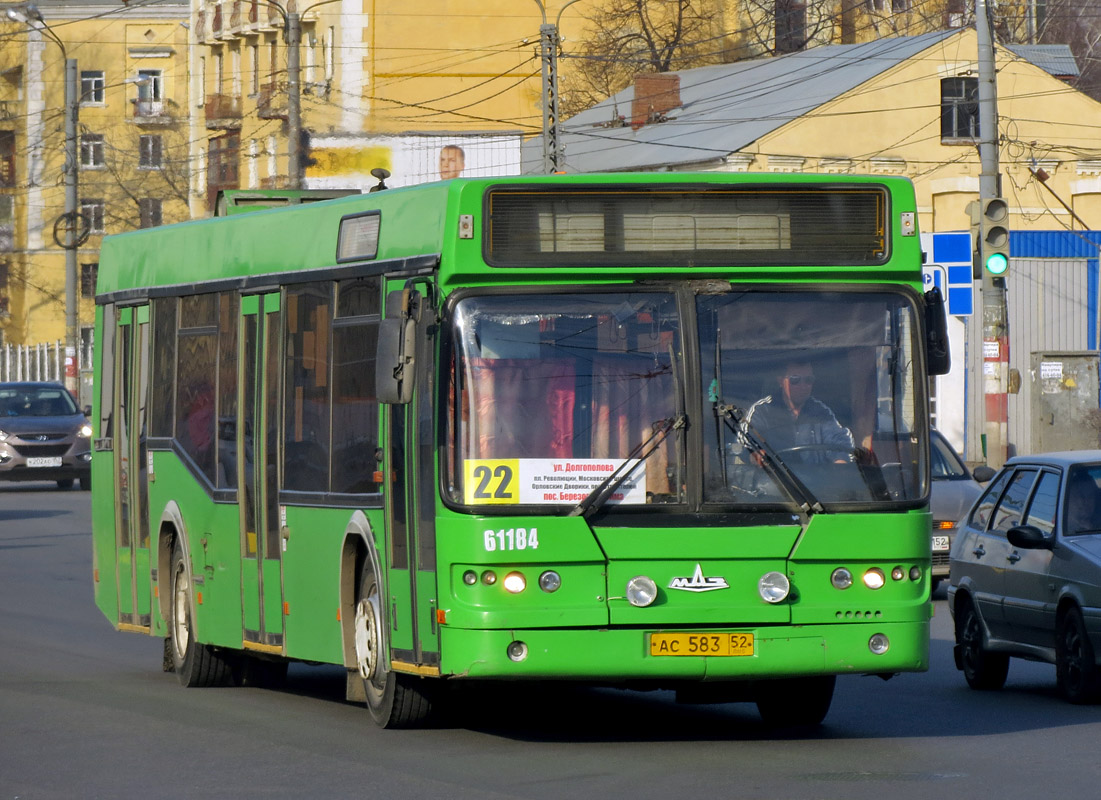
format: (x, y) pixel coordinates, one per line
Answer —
(980, 550)
(1030, 592)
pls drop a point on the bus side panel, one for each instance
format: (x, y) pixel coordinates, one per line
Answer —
(311, 581)
(104, 561)
(214, 547)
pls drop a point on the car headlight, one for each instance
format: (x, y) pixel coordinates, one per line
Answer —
(3, 436)
(85, 432)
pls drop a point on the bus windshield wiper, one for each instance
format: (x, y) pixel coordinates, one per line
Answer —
(603, 490)
(780, 472)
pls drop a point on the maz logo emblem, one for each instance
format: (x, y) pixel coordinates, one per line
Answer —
(698, 583)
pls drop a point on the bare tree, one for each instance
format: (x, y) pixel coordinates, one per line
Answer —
(1075, 23)
(626, 37)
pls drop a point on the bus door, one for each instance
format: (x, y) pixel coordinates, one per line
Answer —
(257, 464)
(411, 509)
(132, 492)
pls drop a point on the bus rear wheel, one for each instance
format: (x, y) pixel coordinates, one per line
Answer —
(796, 702)
(194, 664)
(394, 700)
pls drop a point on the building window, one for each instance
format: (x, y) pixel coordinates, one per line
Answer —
(898, 6)
(791, 26)
(93, 213)
(254, 68)
(150, 100)
(92, 87)
(91, 151)
(7, 158)
(7, 223)
(88, 274)
(959, 109)
(150, 152)
(150, 210)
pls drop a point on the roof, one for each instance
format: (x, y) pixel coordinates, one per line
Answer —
(1064, 458)
(726, 107)
(1056, 59)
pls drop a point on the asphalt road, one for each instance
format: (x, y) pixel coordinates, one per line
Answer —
(87, 712)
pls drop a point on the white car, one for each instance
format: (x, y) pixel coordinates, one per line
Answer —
(954, 489)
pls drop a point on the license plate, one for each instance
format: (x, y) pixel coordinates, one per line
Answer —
(941, 543)
(701, 644)
(43, 461)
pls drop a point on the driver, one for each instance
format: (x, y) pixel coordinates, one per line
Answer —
(792, 418)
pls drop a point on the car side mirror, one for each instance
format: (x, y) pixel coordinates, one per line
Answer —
(983, 474)
(1028, 537)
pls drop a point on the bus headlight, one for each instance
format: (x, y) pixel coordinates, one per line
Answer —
(550, 581)
(874, 578)
(773, 587)
(879, 643)
(841, 578)
(514, 582)
(641, 591)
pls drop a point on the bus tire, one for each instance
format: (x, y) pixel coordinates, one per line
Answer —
(394, 700)
(982, 669)
(1075, 669)
(194, 664)
(796, 702)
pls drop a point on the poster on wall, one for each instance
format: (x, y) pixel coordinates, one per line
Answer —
(346, 161)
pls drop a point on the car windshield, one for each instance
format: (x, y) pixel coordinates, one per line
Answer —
(945, 464)
(36, 401)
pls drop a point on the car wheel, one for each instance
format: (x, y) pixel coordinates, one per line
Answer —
(65, 483)
(981, 668)
(194, 664)
(86, 483)
(1075, 668)
(394, 700)
(796, 702)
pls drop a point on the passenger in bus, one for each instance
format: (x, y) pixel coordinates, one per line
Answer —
(791, 420)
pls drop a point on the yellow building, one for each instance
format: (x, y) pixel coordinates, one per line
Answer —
(130, 147)
(904, 106)
(380, 85)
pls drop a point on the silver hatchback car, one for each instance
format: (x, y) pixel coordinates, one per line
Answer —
(1026, 574)
(951, 495)
(44, 436)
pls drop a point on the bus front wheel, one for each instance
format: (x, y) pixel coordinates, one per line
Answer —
(394, 700)
(194, 664)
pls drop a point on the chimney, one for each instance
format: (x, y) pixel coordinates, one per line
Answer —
(655, 94)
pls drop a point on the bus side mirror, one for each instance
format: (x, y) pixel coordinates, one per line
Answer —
(937, 356)
(395, 362)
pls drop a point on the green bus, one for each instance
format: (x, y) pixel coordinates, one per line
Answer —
(653, 431)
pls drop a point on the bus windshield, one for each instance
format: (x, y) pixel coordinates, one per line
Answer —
(822, 383)
(553, 391)
(811, 389)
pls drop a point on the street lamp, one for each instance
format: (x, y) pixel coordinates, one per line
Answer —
(548, 52)
(30, 16)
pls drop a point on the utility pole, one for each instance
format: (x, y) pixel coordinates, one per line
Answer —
(294, 99)
(29, 14)
(553, 151)
(995, 317)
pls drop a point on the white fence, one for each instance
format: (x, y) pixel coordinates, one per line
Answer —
(45, 361)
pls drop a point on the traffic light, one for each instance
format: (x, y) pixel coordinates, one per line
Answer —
(993, 244)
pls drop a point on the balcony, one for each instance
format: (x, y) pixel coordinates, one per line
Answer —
(152, 112)
(223, 111)
(271, 102)
(9, 109)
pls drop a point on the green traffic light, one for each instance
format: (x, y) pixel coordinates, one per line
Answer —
(997, 263)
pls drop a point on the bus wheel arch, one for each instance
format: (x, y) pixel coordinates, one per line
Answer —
(395, 700)
(195, 664)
